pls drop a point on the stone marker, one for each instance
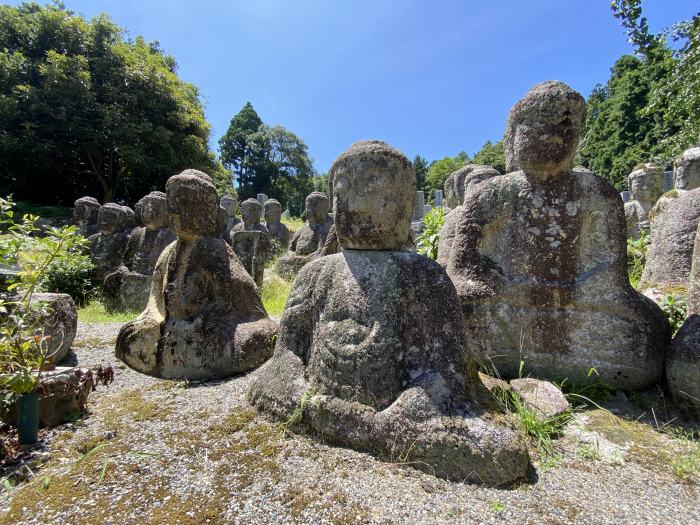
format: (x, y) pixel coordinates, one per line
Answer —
(541, 396)
(262, 198)
(674, 220)
(418, 207)
(250, 240)
(540, 264)
(58, 324)
(646, 184)
(626, 196)
(204, 318)
(286, 215)
(468, 175)
(128, 287)
(85, 212)
(668, 181)
(108, 245)
(370, 349)
(683, 359)
(273, 217)
(308, 241)
(438, 198)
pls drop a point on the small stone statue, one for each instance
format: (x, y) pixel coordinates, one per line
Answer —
(308, 241)
(273, 217)
(128, 287)
(646, 184)
(107, 247)
(204, 318)
(230, 204)
(370, 349)
(85, 211)
(539, 260)
(251, 240)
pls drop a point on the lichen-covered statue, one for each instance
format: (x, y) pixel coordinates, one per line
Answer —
(230, 204)
(273, 222)
(467, 176)
(307, 242)
(85, 212)
(107, 246)
(128, 287)
(674, 219)
(646, 183)
(370, 348)
(251, 240)
(539, 259)
(204, 318)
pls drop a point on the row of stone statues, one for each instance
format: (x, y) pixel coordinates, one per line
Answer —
(377, 346)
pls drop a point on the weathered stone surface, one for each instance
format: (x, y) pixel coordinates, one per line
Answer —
(492, 384)
(540, 264)
(85, 212)
(230, 204)
(108, 245)
(128, 287)
(541, 396)
(63, 392)
(418, 207)
(273, 217)
(370, 349)
(250, 240)
(646, 183)
(683, 359)
(307, 242)
(469, 176)
(674, 219)
(59, 323)
(204, 317)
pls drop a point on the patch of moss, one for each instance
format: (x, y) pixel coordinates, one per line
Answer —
(235, 421)
(133, 406)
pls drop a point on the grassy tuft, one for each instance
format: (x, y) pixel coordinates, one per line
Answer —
(95, 313)
(274, 293)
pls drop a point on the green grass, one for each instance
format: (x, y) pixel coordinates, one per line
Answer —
(46, 212)
(95, 313)
(293, 223)
(275, 291)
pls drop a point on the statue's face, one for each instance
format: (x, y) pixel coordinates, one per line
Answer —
(251, 214)
(273, 214)
(646, 186)
(192, 212)
(687, 175)
(230, 204)
(80, 215)
(110, 219)
(317, 210)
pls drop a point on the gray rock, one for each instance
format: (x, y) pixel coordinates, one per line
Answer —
(646, 183)
(273, 217)
(230, 204)
(683, 359)
(58, 323)
(540, 264)
(85, 212)
(626, 196)
(204, 318)
(418, 207)
(469, 176)
(686, 173)
(541, 396)
(250, 241)
(370, 349)
(63, 393)
(128, 287)
(108, 245)
(307, 242)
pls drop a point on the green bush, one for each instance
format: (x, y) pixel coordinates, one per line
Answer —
(71, 274)
(675, 308)
(428, 240)
(636, 257)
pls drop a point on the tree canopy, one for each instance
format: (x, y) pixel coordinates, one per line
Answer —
(83, 110)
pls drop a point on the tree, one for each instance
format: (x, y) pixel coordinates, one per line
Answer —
(439, 170)
(85, 111)
(234, 147)
(420, 167)
(492, 155)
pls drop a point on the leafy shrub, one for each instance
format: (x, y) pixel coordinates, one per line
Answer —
(429, 239)
(71, 274)
(636, 257)
(675, 308)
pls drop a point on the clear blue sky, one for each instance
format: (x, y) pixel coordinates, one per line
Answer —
(429, 77)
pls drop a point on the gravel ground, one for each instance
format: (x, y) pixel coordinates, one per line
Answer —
(164, 452)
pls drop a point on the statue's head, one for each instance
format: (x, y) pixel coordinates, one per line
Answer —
(153, 210)
(251, 210)
(273, 211)
(646, 183)
(317, 206)
(85, 211)
(230, 204)
(113, 218)
(374, 188)
(455, 183)
(476, 175)
(686, 175)
(193, 205)
(543, 130)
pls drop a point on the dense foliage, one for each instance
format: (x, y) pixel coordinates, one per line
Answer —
(85, 111)
(439, 170)
(492, 155)
(429, 238)
(265, 159)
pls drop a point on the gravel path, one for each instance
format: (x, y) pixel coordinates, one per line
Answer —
(164, 452)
